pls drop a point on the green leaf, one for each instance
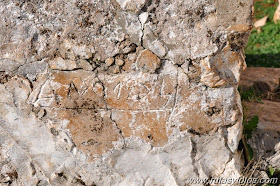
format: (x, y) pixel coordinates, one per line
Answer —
(249, 153)
(271, 171)
(250, 95)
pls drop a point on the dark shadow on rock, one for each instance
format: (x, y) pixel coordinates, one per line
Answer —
(263, 60)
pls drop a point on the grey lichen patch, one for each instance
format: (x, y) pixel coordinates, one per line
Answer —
(227, 12)
(129, 24)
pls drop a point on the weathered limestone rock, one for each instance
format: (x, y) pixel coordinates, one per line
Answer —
(120, 92)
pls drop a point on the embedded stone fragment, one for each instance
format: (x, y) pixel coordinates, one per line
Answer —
(61, 64)
(83, 64)
(109, 61)
(222, 69)
(69, 51)
(131, 5)
(151, 42)
(130, 64)
(148, 61)
(158, 48)
(82, 52)
(129, 23)
(119, 62)
(41, 113)
(116, 69)
(215, 147)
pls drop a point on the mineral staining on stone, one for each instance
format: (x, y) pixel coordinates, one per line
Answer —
(119, 87)
(93, 132)
(147, 61)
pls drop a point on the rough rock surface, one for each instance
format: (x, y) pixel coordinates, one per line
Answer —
(120, 92)
(267, 134)
(263, 80)
(265, 139)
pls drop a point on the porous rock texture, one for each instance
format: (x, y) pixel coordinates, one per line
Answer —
(120, 92)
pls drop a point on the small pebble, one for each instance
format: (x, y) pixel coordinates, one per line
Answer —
(119, 62)
(41, 113)
(116, 70)
(109, 61)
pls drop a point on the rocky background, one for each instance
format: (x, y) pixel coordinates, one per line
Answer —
(265, 103)
(120, 92)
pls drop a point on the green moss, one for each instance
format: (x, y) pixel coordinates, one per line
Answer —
(250, 95)
(273, 173)
(263, 49)
(250, 126)
(264, 7)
